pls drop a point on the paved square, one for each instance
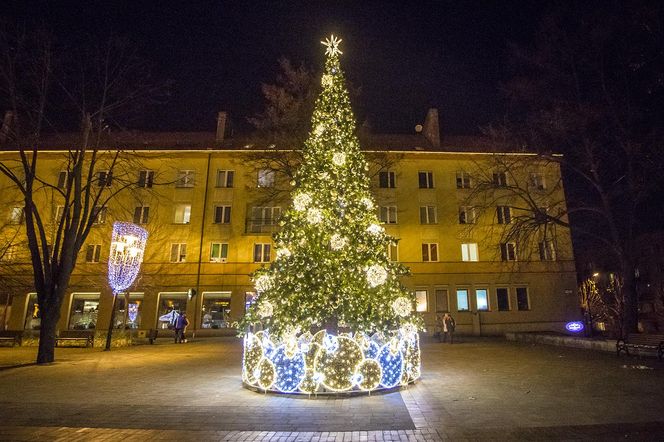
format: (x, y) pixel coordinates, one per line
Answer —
(476, 389)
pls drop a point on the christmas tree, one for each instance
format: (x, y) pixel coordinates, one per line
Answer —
(332, 274)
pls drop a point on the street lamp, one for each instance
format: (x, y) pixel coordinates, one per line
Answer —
(127, 250)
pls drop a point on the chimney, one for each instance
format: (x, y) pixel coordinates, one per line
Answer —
(431, 127)
(221, 126)
(7, 124)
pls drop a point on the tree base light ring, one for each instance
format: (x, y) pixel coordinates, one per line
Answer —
(347, 363)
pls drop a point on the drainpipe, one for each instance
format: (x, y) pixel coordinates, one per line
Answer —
(200, 248)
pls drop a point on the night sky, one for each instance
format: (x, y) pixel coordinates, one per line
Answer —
(403, 56)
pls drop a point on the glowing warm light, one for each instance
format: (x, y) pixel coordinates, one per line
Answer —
(332, 44)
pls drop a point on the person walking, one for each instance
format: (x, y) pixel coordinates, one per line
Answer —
(185, 323)
(448, 327)
(181, 323)
(438, 329)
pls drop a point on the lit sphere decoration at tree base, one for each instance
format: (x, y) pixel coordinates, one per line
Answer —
(325, 363)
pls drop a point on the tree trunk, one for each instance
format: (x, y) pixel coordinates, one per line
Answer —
(46, 353)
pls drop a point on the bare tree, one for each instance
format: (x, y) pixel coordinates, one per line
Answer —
(99, 85)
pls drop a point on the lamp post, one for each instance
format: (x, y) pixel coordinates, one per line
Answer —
(124, 262)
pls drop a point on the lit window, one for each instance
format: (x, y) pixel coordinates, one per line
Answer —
(547, 250)
(503, 298)
(442, 300)
(216, 310)
(92, 253)
(388, 214)
(429, 252)
(266, 178)
(16, 215)
(466, 215)
(222, 214)
(482, 297)
(386, 180)
(83, 312)
(463, 180)
(462, 300)
(522, 298)
(225, 178)
(421, 304)
(141, 214)
(504, 214)
(425, 180)
(178, 252)
(218, 252)
(428, 215)
(469, 252)
(500, 179)
(508, 251)
(145, 178)
(104, 178)
(393, 252)
(185, 178)
(262, 252)
(182, 214)
(33, 314)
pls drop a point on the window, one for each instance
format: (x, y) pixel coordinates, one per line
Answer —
(83, 313)
(59, 213)
(182, 214)
(32, 314)
(503, 298)
(537, 181)
(393, 252)
(145, 178)
(222, 214)
(185, 178)
(171, 305)
(387, 214)
(482, 297)
(218, 252)
(263, 219)
(463, 180)
(429, 252)
(508, 251)
(522, 299)
(92, 252)
(63, 176)
(104, 178)
(426, 180)
(504, 214)
(547, 250)
(178, 252)
(128, 318)
(387, 180)
(462, 300)
(262, 252)
(16, 215)
(469, 252)
(216, 310)
(99, 214)
(265, 178)
(499, 179)
(466, 215)
(421, 304)
(141, 214)
(225, 178)
(442, 300)
(428, 215)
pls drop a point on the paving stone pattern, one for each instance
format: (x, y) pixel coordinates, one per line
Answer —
(474, 390)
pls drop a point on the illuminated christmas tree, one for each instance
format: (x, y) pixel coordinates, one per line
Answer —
(331, 306)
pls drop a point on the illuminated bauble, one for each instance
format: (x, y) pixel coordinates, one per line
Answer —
(324, 176)
(376, 275)
(338, 242)
(410, 348)
(263, 283)
(314, 215)
(308, 384)
(265, 309)
(375, 229)
(408, 330)
(392, 363)
(319, 129)
(283, 253)
(301, 201)
(370, 374)
(265, 373)
(289, 370)
(338, 366)
(339, 158)
(367, 203)
(402, 306)
(327, 80)
(253, 352)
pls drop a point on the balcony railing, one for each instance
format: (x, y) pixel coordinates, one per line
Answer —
(260, 225)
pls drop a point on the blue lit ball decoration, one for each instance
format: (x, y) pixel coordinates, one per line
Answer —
(127, 249)
(289, 370)
(391, 361)
(372, 350)
(574, 326)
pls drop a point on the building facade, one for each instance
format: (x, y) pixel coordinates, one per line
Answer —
(211, 204)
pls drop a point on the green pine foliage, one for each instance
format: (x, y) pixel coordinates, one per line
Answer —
(332, 268)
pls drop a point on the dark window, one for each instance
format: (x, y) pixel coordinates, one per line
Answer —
(462, 180)
(508, 251)
(503, 297)
(500, 179)
(104, 178)
(504, 214)
(145, 178)
(386, 180)
(62, 179)
(141, 214)
(425, 180)
(522, 301)
(222, 214)
(92, 253)
(442, 300)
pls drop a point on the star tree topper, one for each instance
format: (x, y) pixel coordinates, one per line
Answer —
(332, 44)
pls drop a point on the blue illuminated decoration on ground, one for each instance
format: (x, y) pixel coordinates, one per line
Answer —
(574, 326)
(324, 362)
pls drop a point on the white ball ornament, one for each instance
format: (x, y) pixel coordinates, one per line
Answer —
(314, 216)
(318, 131)
(339, 158)
(263, 283)
(283, 253)
(326, 80)
(301, 201)
(265, 309)
(375, 229)
(402, 306)
(367, 203)
(376, 275)
(338, 242)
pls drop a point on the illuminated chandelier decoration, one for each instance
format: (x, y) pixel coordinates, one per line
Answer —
(127, 249)
(331, 314)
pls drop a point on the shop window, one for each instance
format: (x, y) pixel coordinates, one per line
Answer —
(463, 304)
(216, 310)
(83, 313)
(32, 314)
(503, 298)
(171, 305)
(522, 298)
(128, 317)
(482, 298)
(421, 301)
(442, 300)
